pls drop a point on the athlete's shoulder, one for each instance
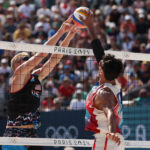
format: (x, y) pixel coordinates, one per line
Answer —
(104, 93)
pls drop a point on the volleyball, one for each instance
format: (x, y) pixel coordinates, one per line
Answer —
(80, 12)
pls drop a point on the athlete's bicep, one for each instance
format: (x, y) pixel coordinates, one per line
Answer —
(104, 101)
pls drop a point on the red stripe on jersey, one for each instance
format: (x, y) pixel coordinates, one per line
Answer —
(94, 144)
(106, 141)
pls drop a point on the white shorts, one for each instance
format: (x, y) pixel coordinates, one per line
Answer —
(102, 143)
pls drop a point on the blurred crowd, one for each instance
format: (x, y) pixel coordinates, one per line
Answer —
(121, 25)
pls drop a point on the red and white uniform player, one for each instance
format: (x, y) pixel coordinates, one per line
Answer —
(96, 120)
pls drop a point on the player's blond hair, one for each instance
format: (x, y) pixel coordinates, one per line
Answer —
(17, 58)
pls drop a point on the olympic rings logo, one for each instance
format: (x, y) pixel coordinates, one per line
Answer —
(62, 132)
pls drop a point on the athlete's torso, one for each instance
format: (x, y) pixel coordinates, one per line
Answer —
(23, 105)
(96, 120)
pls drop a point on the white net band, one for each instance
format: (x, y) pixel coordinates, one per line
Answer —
(70, 51)
(64, 142)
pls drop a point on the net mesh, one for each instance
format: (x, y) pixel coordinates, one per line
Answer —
(63, 118)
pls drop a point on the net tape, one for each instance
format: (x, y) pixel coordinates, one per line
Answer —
(64, 142)
(70, 51)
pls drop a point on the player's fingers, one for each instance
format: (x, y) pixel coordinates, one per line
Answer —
(109, 136)
(91, 14)
(117, 139)
(77, 30)
(88, 11)
(113, 137)
(69, 20)
(73, 27)
(119, 142)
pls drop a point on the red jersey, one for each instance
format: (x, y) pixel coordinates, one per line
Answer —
(96, 120)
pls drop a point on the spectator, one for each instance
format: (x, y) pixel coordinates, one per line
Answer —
(15, 8)
(1, 30)
(26, 10)
(79, 86)
(138, 4)
(143, 99)
(127, 44)
(43, 11)
(78, 103)
(136, 46)
(107, 9)
(124, 33)
(148, 46)
(114, 15)
(54, 28)
(2, 10)
(10, 11)
(21, 30)
(40, 32)
(95, 71)
(57, 104)
(133, 83)
(10, 24)
(5, 69)
(128, 24)
(65, 8)
(55, 10)
(141, 25)
(50, 89)
(145, 72)
(66, 90)
(112, 32)
(136, 70)
(143, 48)
(67, 73)
(2, 88)
(42, 20)
(90, 63)
(47, 103)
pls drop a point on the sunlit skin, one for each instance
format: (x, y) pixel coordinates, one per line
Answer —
(104, 100)
(24, 69)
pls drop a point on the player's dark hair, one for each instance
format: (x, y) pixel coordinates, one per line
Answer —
(112, 67)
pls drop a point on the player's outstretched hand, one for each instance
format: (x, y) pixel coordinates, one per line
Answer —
(73, 31)
(88, 21)
(67, 25)
(114, 137)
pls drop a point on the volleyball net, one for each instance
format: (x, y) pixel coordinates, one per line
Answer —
(70, 51)
(136, 117)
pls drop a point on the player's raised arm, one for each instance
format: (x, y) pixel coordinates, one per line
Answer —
(29, 65)
(55, 58)
(98, 50)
